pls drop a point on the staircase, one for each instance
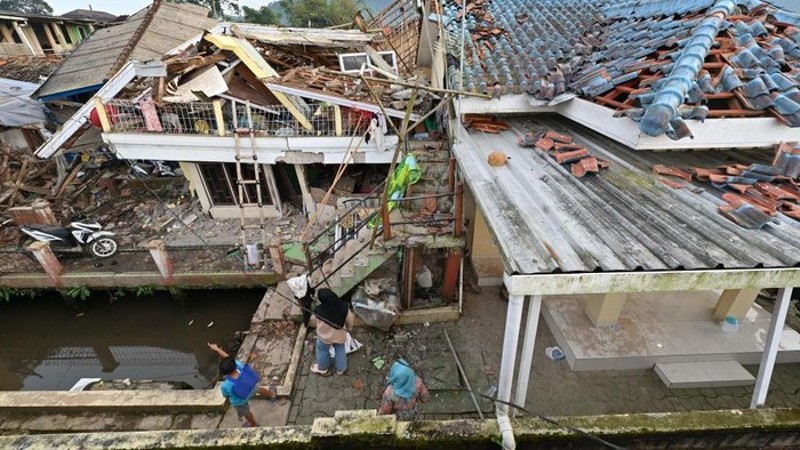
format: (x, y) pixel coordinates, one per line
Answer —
(355, 262)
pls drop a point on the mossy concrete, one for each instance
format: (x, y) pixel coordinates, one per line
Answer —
(111, 280)
(364, 429)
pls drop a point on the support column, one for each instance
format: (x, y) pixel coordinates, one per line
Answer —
(276, 254)
(6, 33)
(604, 309)
(308, 201)
(62, 40)
(50, 40)
(219, 118)
(735, 303)
(451, 271)
(41, 251)
(771, 348)
(158, 250)
(528, 344)
(510, 342)
(24, 38)
(102, 114)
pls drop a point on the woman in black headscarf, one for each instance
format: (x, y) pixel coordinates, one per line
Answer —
(334, 319)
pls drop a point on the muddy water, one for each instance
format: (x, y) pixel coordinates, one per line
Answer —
(45, 345)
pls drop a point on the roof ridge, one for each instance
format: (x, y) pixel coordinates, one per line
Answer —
(661, 116)
(137, 35)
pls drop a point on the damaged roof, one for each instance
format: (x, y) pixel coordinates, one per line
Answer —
(623, 218)
(658, 62)
(145, 36)
(33, 69)
(90, 15)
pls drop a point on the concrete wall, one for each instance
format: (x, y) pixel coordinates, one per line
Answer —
(483, 253)
(356, 430)
(13, 138)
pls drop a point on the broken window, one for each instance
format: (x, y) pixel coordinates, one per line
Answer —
(220, 181)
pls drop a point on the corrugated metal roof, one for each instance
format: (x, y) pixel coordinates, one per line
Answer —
(622, 219)
(89, 64)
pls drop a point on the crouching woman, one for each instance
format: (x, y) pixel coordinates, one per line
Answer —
(404, 390)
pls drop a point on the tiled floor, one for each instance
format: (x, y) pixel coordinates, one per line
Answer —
(660, 327)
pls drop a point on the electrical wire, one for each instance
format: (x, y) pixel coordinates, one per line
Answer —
(403, 360)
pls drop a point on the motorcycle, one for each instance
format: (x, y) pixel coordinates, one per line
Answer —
(80, 236)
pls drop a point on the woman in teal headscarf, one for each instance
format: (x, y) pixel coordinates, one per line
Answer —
(404, 389)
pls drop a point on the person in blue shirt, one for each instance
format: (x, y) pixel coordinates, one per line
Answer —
(240, 385)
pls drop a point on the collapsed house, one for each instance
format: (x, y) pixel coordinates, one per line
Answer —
(263, 121)
(41, 35)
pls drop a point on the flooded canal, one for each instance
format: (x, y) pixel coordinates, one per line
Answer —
(44, 345)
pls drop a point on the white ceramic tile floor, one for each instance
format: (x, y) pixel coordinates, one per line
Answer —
(654, 327)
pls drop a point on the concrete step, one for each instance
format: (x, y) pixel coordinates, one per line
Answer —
(683, 375)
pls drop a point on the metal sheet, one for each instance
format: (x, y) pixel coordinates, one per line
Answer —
(546, 220)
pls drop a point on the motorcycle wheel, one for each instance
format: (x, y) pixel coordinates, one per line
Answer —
(104, 247)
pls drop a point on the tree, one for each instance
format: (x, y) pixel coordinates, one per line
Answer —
(318, 13)
(218, 8)
(262, 15)
(26, 6)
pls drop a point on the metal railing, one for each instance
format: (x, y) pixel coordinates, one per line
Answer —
(346, 227)
(326, 244)
(200, 118)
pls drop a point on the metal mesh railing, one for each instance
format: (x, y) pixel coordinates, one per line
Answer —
(200, 118)
(176, 118)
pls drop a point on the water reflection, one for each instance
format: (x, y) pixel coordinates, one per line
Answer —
(46, 347)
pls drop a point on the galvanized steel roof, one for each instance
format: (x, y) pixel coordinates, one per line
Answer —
(623, 219)
(92, 61)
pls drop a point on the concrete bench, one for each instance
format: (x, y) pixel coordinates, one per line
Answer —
(703, 374)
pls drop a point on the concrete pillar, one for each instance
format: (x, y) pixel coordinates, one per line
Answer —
(50, 39)
(528, 344)
(278, 262)
(484, 253)
(219, 117)
(158, 250)
(6, 33)
(451, 270)
(34, 49)
(308, 201)
(735, 303)
(41, 251)
(510, 343)
(102, 114)
(604, 309)
(771, 348)
(62, 41)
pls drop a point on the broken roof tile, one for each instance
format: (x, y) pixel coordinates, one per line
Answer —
(578, 46)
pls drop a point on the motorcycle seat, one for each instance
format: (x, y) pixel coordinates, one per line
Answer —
(55, 230)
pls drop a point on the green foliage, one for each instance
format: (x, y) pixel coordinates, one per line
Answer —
(318, 13)
(144, 291)
(218, 8)
(6, 293)
(26, 6)
(263, 15)
(80, 292)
